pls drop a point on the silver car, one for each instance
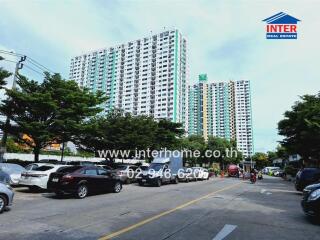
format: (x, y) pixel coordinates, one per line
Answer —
(6, 196)
(10, 173)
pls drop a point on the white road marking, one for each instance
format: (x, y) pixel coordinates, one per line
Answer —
(225, 231)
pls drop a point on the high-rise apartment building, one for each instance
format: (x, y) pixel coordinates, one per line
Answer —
(221, 109)
(147, 76)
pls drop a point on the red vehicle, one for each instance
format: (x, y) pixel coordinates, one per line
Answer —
(253, 178)
(233, 170)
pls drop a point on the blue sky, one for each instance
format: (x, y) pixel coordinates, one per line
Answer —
(226, 40)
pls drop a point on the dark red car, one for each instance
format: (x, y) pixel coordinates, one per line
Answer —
(82, 180)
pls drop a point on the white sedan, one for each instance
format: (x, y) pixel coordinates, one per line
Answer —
(38, 178)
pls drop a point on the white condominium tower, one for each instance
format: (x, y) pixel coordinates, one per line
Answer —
(143, 77)
(223, 110)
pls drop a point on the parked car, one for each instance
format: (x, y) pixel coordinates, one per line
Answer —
(6, 196)
(37, 178)
(143, 168)
(200, 173)
(311, 200)
(277, 173)
(82, 180)
(307, 176)
(233, 170)
(10, 173)
(267, 170)
(34, 166)
(186, 175)
(80, 163)
(50, 160)
(127, 173)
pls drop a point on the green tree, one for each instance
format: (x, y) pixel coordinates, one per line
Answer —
(227, 150)
(261, 159)
(3, 75)
(301, 128)
(31, 111)
(14, 147)
(122, 131)
(40, 115)
(168, 135)
(194, 144)
(74, 106)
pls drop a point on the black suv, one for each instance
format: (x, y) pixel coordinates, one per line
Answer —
(80, 180)
(311, 200)
(307, 176)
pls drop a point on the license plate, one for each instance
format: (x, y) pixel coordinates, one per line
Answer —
(55, 180)
(144, 180)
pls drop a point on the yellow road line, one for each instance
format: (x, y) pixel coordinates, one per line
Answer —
(127, 229)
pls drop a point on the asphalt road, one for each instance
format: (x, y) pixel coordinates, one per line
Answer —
(215, 209)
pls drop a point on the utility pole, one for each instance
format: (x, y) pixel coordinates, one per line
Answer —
(19, 65)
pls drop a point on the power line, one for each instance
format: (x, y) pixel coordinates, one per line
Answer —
(11, 53)
(35, 62)
(9, 61)
(25, 65)
(30, 60)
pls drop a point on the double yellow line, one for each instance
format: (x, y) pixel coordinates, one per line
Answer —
(139, 224)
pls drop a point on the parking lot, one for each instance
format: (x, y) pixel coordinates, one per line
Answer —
(219, 207)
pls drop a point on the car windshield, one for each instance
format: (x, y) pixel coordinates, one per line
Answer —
(156, 166)
(68, 169)
(11, 168)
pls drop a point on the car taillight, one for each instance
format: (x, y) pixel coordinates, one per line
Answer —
(67, 177)
(36, 175)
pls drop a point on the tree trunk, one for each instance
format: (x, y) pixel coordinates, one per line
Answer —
(62, 152)
(36, 152)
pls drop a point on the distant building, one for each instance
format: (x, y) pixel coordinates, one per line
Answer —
(147, 76)
(221, 109)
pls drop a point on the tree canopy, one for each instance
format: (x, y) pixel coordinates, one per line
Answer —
(42, 113)
(220, 150)
(123, 131)
(301, 129)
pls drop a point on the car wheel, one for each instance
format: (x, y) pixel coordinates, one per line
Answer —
(117, 187)
(158, 183)
(58, 193)
(82, 191)
(176, 180)
(3, 203)
(141, 183)
(34, 188)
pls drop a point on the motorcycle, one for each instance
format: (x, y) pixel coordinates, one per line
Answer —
(253, 178)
